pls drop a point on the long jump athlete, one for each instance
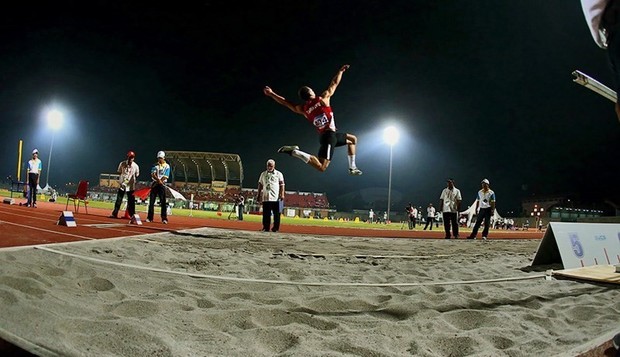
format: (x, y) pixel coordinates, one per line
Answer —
(318, 111)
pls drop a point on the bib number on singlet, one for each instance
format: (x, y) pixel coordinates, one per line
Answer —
(321, 120)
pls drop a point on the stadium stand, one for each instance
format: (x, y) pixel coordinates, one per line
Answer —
(213, 180)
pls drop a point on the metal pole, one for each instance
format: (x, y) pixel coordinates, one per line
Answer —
(19, 160)
(389, 186)
(49, 162)
(594, 85)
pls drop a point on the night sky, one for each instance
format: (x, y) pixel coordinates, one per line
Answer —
(479, 89)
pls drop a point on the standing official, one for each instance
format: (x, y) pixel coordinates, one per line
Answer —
(159, 175)
(270, 194)
(430, 216)
(240, 205)
(128, 172)
(485, 206)
(450, 203)
(33, 173)
(412, 213)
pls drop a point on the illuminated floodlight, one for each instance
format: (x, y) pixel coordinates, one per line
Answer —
(55, 119)
(390, 135)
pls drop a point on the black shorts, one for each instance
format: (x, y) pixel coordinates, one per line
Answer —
(330, 140)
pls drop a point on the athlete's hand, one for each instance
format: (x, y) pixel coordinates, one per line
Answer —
(267, 91)
(344, 68)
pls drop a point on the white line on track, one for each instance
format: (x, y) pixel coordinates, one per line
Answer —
(98, 223)
(47, 230)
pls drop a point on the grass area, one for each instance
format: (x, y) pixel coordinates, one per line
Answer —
(247, 217)
(284, 220)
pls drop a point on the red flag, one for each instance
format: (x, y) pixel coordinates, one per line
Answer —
(142, 193)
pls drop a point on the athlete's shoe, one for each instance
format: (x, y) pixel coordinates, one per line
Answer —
(355, 171)
(288, 149)
(165, 221)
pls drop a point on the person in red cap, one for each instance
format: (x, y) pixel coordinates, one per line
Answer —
(128, 172)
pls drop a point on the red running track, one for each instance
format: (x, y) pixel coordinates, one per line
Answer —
(21, 226)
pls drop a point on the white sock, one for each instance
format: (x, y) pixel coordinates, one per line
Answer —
(352, 162)
(305, 157)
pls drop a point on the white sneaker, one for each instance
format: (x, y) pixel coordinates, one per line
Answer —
(147, 220)
(288, 149)
(484, 238)
(355, 172)
(165, 221)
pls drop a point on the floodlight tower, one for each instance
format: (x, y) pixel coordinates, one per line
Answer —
(55, 120)
(390, 135)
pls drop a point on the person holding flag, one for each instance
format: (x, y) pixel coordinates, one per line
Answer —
(485, 206)
(159, 176)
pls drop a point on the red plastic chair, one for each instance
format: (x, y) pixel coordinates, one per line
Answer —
(79, 196)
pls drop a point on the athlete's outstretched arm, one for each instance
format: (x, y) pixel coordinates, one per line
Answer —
(283, 101)
(334, 83)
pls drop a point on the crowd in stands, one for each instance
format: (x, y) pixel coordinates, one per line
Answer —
(306, 200)
(205, 194)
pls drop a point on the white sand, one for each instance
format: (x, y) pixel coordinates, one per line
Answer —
(55, 303)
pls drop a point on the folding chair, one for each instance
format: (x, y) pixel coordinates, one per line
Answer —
(79, 196)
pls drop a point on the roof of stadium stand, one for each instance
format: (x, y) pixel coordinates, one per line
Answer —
(205, 167)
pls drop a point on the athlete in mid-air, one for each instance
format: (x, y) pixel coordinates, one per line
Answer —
(318, 111)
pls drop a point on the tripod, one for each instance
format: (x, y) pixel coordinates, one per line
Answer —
(234, 210)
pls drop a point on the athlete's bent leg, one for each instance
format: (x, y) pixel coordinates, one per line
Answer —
(318, 163)
(351, 141)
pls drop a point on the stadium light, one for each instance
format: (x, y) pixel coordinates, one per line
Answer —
(55, 120)
(390, 135)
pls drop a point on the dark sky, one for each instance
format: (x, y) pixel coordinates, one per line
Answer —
(479, 89)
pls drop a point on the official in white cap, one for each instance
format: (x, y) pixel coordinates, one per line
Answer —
(33, 173)
(159, 176)
(450, 205)
(485, 205)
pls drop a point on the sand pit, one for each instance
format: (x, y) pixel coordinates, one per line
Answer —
(216, 292)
